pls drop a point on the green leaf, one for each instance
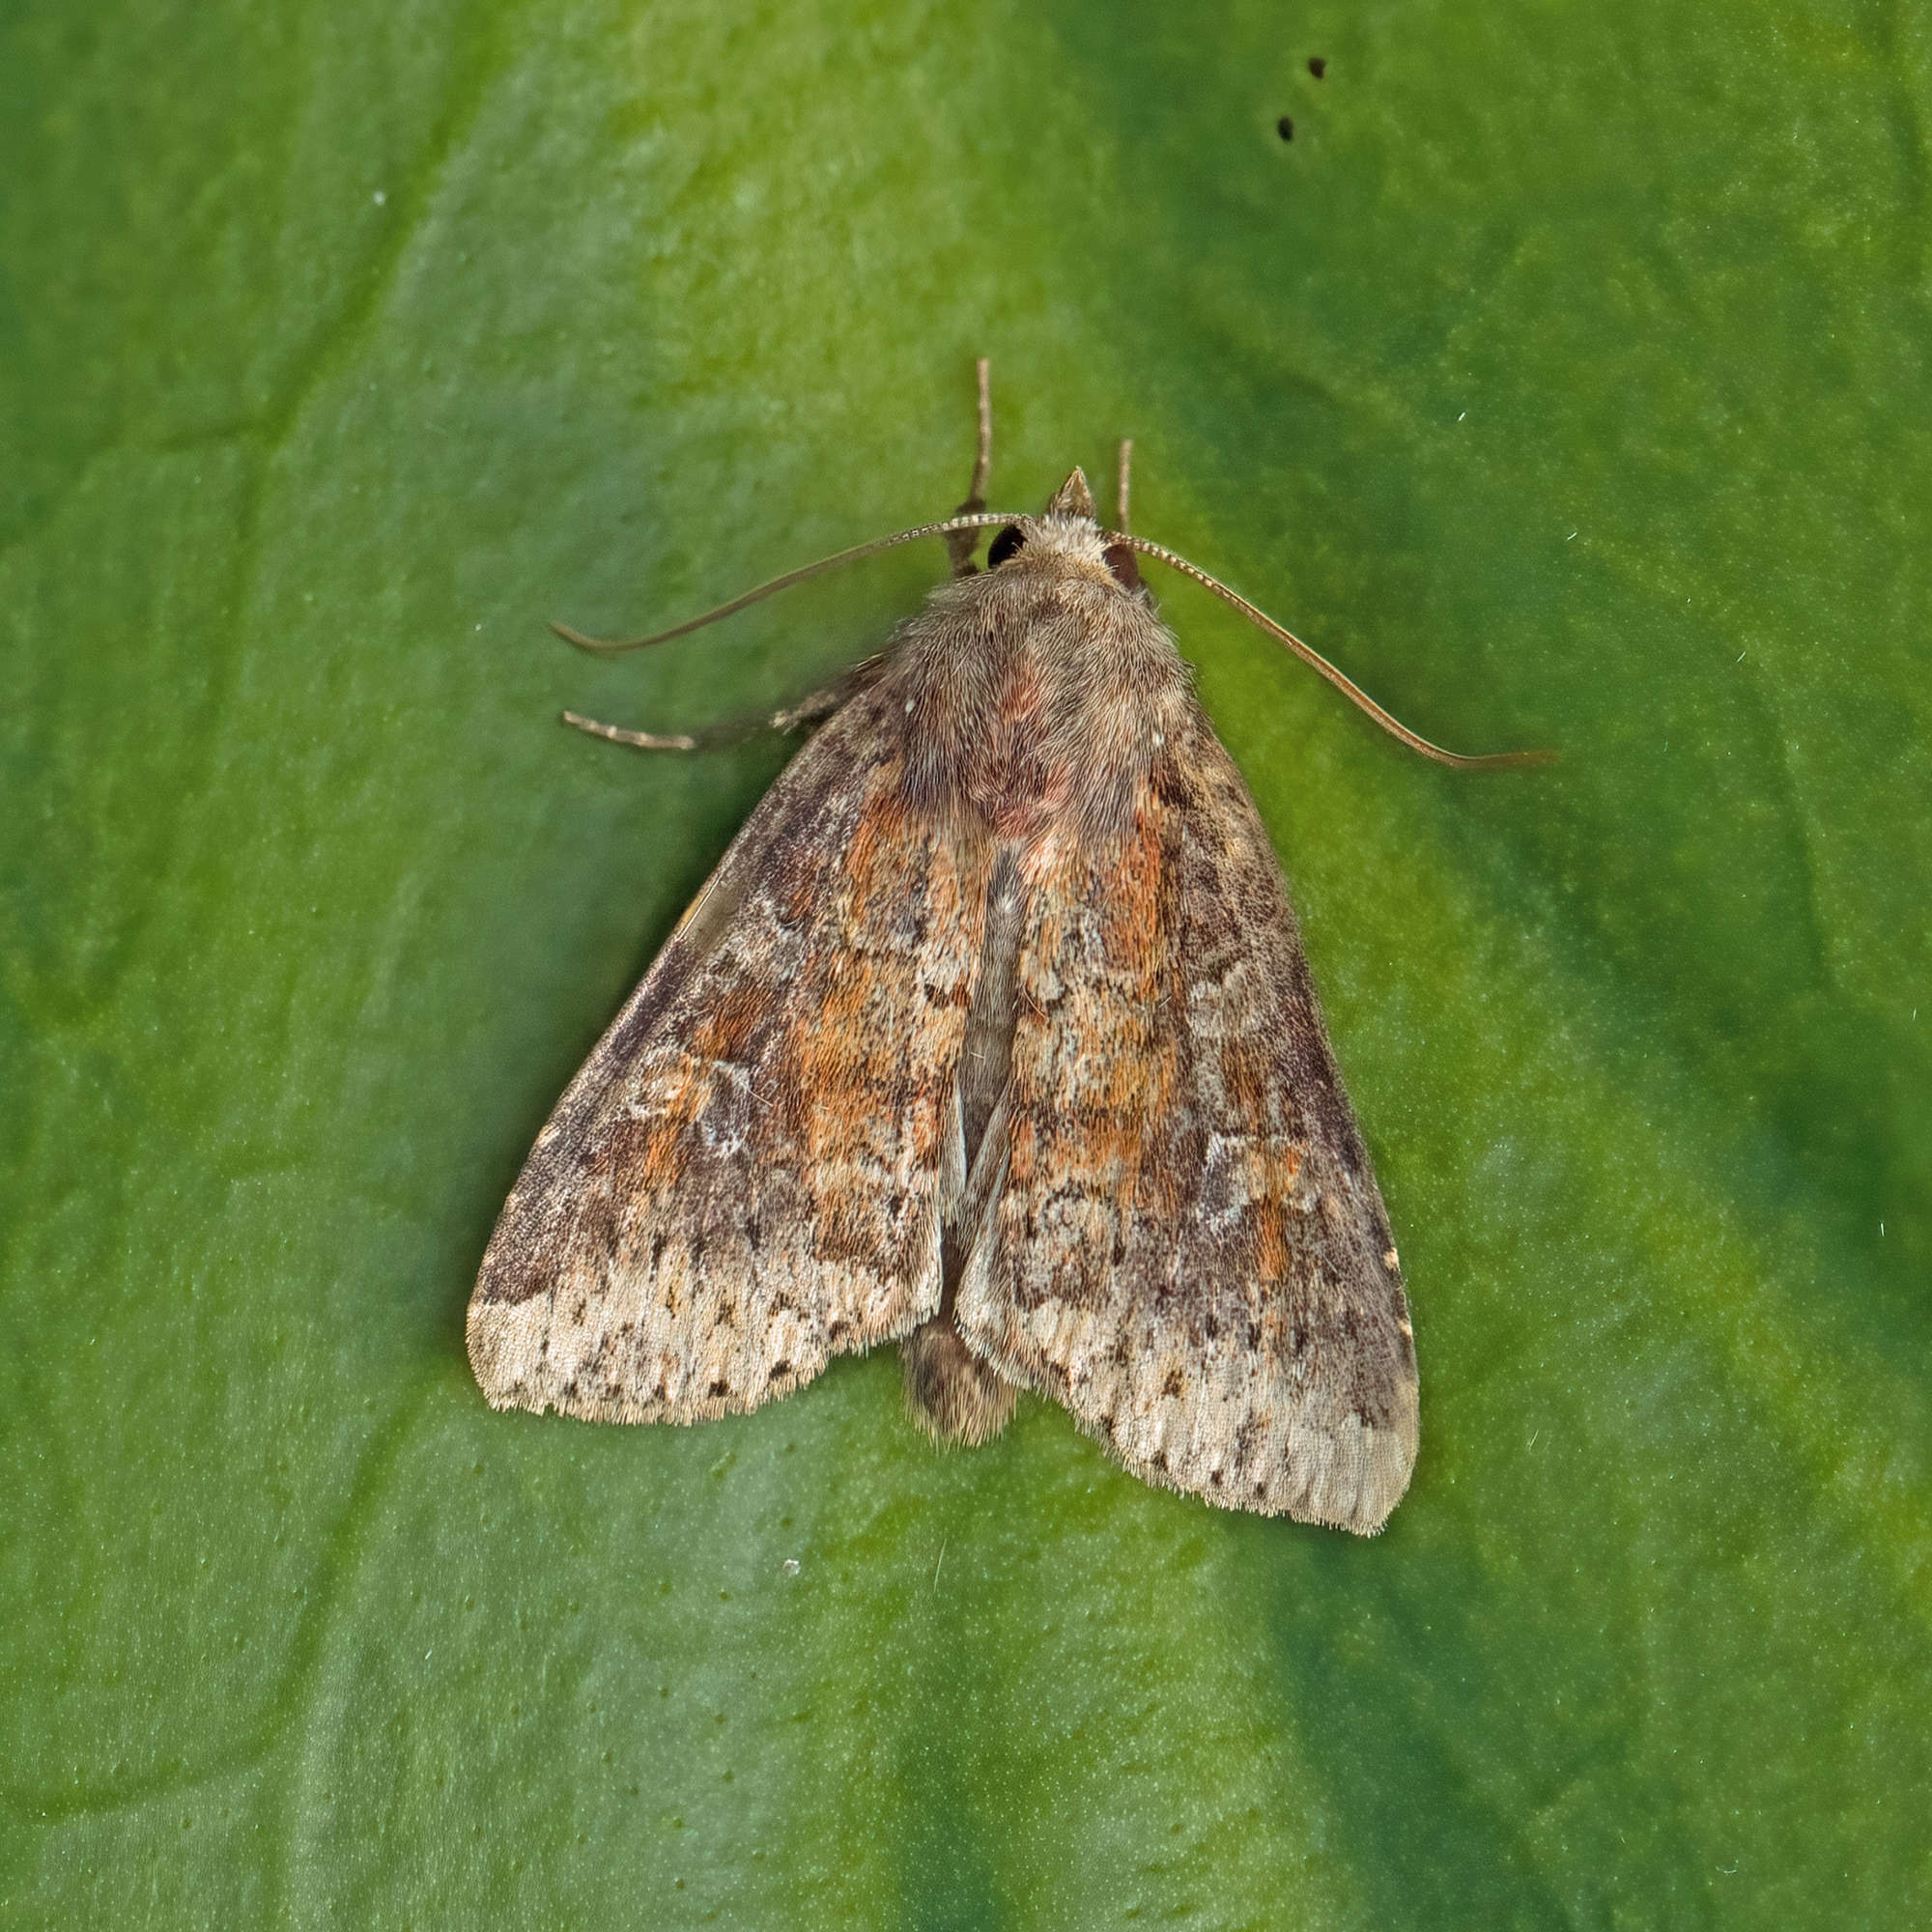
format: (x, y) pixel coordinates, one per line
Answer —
(1565, 378)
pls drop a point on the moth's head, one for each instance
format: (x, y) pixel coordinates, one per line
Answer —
(1065, 533)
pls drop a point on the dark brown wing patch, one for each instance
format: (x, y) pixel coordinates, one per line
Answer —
(744, 1179)
(1190, 1250)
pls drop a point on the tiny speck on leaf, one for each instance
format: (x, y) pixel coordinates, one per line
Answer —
(1317, 65)
(1285, 128)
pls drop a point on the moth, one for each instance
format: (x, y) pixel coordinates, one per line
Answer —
(992, 1035)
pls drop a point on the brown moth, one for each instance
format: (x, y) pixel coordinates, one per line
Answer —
(991, 1034)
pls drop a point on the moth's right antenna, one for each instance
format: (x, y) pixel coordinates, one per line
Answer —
(1346, 685)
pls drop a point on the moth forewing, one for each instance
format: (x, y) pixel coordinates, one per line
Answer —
(1192, 1252)
(742, 1182)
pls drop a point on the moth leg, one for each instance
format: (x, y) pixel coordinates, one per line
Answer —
(1124, 487)
(809, 710)
(961, 544)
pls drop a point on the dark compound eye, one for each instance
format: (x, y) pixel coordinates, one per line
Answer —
(1004, 546)
(1127, 572)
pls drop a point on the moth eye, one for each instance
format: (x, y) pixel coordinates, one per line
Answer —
(1126, 571)
(1004, 546)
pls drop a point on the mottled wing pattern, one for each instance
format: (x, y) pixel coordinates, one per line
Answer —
(1190, 1250)
(744, 1180)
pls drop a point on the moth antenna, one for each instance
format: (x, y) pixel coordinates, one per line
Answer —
(1122, 489)
(1346, 685)
(982, 462)
(961, 544)
(979, 520)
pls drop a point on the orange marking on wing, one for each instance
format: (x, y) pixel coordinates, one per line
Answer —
(876, 854)
(728, 1029)
(1246, 1067)
(875, 1043)
(1270, 1246)
(662, 1162)
(1095, 1067)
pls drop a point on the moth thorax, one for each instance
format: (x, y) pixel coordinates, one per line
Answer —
(1037, 696)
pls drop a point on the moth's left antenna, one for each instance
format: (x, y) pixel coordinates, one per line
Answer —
(784, 582)
(961, 544)
(960, 531)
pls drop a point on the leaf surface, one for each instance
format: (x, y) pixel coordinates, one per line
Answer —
(1565, 379)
